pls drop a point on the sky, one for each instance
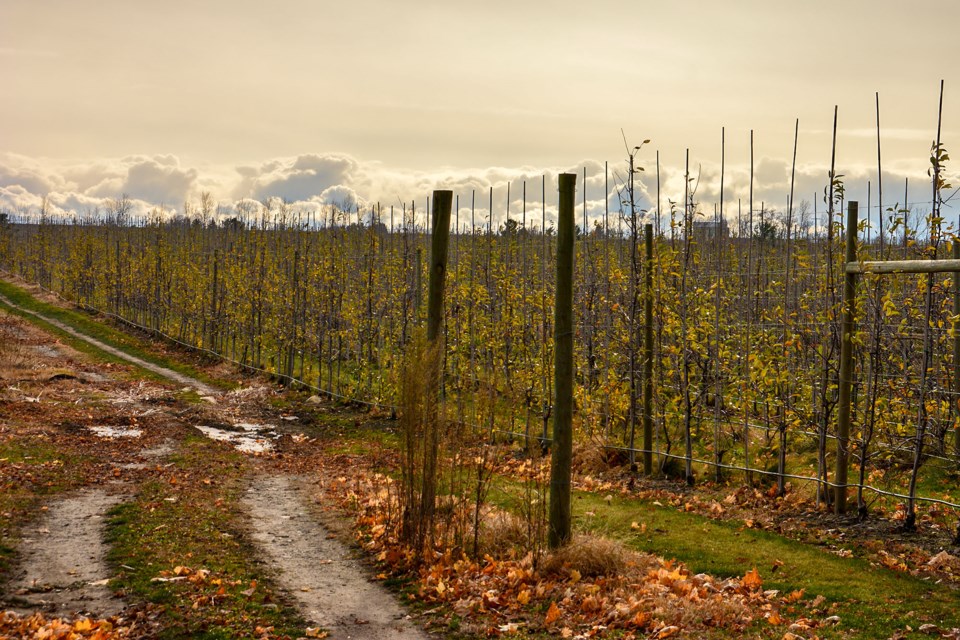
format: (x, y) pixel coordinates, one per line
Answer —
(377, 101)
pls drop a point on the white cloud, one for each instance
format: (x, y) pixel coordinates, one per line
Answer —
(305, 184)
(298, 178)
(157, 179)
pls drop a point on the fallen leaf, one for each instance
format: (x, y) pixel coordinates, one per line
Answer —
(553, 614)
(249, 592)
(83, 625)
(752, 579)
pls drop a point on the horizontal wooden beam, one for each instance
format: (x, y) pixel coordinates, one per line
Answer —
(904, 266)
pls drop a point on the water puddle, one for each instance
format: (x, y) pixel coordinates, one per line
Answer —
(105, 431)
(248, 438)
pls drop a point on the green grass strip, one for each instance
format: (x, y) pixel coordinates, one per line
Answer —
(89, 325)
(191, 517)
(873, 601)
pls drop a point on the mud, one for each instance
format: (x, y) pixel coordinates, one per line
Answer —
(331, 586)
(62, 567)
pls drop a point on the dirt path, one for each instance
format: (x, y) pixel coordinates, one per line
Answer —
(62, 565)
(330, 585)
(179, 378)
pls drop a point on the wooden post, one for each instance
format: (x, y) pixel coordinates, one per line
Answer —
(648, 350)
(956, 349)
(442, 201)
(560, 511)
(846, 361)
(440, 240)
(417, 285)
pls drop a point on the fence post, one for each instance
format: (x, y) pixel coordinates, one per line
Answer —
(846, 360)
(440, 240)
(956, 350)
(648, 350)
(560, 516)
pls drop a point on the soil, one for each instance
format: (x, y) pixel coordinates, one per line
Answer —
(202, 389)
(123, 429)
(62, 567)
(331, 586)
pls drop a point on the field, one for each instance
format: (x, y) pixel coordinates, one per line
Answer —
(187, 551)
(744, 334)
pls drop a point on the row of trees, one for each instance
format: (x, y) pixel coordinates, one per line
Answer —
(744, 333)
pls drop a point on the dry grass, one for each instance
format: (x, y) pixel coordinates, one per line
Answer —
(502, 534)
(591, 457)
(593, 556)
(11, 345)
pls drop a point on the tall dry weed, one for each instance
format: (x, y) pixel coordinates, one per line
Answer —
(420, 427)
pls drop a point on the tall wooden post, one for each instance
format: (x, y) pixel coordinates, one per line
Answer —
(417, 285)
(956, 349)
(440, 241)
(846, 360)
(648, 349)
(560, 511)
(434, 362)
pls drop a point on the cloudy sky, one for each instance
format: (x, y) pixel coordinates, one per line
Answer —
(315, 100)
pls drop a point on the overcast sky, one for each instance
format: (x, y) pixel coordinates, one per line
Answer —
(309, 100)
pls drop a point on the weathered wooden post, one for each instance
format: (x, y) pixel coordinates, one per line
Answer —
(648, 350)
(434, 363)
(560, 512)
(846, 360)
(440, 241)
(956, 350)
(417, 285)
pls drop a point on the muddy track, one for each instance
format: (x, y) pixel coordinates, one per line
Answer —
(331, 586)
(179, 378)
(62, 568)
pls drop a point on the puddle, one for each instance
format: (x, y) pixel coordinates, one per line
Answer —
(116, 432)
(47, 351)
(250, 438)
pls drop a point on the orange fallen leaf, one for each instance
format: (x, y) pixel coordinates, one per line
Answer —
(83, 625)
(553, 614)
(641, 620)
(752, 579)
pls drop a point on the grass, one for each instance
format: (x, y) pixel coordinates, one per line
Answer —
(30, 470)
(875, 602)
(89, 325)
(184, 523)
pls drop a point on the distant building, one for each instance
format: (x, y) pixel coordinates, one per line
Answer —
(710, 229)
